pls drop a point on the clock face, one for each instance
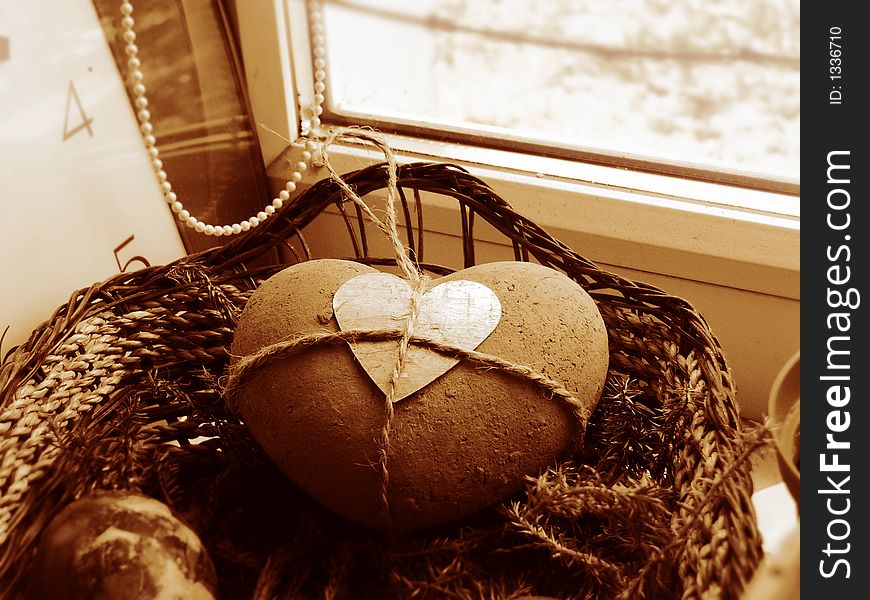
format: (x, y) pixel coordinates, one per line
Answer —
(78, 197)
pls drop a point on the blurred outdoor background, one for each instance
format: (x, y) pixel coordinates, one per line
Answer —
(715, 82)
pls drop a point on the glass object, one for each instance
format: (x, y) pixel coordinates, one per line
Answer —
(699, 89)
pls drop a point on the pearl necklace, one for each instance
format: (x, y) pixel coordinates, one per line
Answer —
(309, 133)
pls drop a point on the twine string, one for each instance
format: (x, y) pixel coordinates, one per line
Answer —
(410, 271)
(242, 369)
(404, 345)
(359, 134)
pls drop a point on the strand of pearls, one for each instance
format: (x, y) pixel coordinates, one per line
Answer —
(147, 129)
(318, 50)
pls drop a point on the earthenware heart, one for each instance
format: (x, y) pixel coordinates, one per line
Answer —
(462, 439)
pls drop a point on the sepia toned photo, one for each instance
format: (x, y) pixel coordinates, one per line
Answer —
(445, 299)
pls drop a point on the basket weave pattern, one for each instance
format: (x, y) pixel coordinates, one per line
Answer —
(94, 362)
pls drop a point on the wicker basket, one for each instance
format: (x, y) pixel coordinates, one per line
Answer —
(90, 401)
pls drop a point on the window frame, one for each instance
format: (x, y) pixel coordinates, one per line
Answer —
(668, 213)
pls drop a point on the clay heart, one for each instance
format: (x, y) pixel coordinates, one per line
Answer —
(464, 442)
(460, 314)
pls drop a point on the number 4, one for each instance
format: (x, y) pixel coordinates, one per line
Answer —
(86, 121)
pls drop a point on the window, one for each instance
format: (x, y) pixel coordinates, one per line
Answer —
(652, 194)
(708, 90)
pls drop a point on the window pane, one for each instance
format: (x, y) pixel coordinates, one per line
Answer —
(715, 83)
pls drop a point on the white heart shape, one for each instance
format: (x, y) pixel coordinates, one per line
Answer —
(459, 313)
